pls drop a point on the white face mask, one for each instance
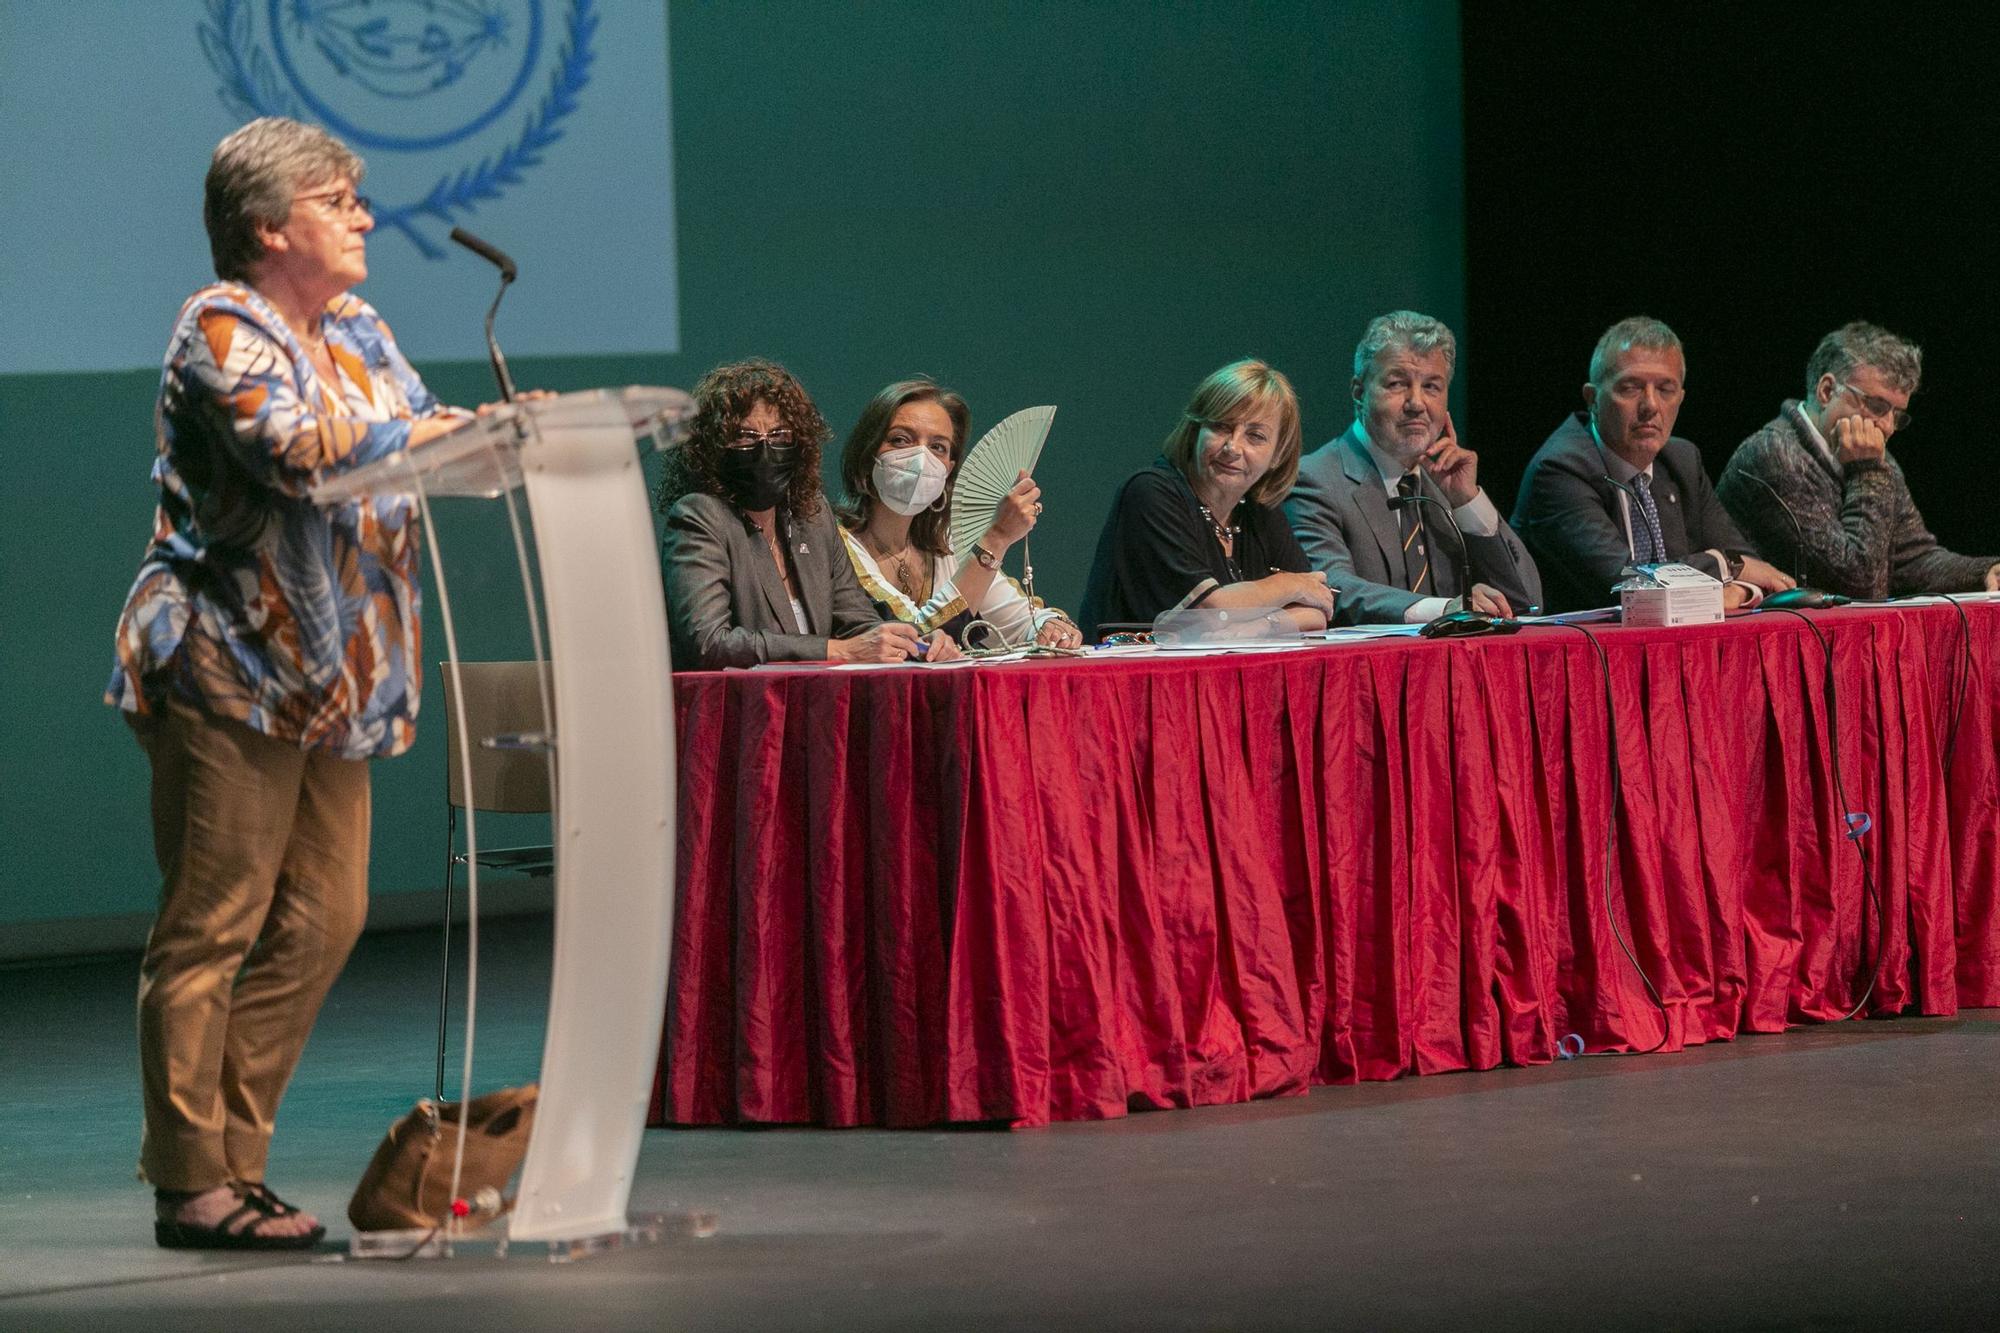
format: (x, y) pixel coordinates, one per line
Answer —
(907, 480)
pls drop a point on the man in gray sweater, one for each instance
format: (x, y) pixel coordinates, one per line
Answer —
(1817, 488)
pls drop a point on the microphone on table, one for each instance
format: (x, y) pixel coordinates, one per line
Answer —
(497, 257)
(1463, 622)
(1801, 595)
(1612, 481)
(1632, 499)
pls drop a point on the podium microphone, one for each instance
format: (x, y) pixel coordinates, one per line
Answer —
(497, 257)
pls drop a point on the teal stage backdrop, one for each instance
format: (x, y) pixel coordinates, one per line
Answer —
(1086, 204)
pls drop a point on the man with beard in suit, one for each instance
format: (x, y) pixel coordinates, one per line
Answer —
(1401, 564)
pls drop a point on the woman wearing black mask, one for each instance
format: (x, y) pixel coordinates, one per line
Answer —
(755, 571)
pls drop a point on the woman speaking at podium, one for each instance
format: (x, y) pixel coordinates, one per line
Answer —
(751, 558)
(897, 469)
(1201, 526)
(267, 650)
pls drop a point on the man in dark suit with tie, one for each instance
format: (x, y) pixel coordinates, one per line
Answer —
(1615, 487)
(1400, 564)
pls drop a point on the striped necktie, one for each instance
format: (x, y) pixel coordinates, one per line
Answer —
(1416, 554)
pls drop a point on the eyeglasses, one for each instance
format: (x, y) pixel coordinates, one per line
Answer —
(1879, 408)
(341, 202)
(750, 439)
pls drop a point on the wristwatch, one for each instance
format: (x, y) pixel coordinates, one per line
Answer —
(986, 558)
(1735, 563)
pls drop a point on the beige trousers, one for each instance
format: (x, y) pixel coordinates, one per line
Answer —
(263, 852)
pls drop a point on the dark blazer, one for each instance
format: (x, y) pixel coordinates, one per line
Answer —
(1568, 514)
(726, 604)
(1341, 516)
(1862, 534)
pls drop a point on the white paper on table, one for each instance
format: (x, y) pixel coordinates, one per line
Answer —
(906, 665)
(1221, 649)
(1591, 616)
(1014, 656)
(1351, 633)
(1929, 599)
(852, 666)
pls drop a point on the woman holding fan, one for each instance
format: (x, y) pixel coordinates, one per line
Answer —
(898, 468)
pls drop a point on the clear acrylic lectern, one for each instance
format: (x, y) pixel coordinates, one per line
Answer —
(611, 698)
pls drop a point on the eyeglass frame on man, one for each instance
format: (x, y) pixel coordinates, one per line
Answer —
(1877, 408)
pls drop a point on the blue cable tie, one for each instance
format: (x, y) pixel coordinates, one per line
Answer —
(1858, 823)
(1569, 1047)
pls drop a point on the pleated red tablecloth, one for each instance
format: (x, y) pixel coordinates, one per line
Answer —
(1065, 890)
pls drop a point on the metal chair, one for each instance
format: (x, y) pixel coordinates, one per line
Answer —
(510, 775)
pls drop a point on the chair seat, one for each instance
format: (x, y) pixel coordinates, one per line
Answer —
(515, 860)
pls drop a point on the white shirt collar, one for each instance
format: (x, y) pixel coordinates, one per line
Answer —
(1619, 469)
(1385, 466)
(1804, 421)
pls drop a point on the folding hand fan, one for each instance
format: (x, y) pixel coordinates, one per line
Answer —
(991, 468)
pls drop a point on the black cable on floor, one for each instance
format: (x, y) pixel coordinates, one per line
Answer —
(1611, 829)
(1855, 824)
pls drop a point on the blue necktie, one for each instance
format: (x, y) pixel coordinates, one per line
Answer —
(1649, 546)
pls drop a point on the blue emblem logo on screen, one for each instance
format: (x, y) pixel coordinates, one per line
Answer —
(455, 102)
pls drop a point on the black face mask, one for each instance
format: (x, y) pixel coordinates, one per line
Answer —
(758, 477)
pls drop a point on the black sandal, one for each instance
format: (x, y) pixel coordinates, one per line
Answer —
(172, 1234)
(262, 1195)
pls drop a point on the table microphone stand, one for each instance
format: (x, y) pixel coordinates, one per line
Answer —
(1464, 621)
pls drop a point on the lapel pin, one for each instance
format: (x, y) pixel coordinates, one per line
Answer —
(803, 550)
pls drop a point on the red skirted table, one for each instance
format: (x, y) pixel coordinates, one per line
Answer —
(1065, 890)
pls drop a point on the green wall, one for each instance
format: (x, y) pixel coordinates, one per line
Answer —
(1091, 205)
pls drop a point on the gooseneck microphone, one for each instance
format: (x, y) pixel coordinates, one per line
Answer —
(1612, 481)
(1633, 507)
(1801, 595)
(497, 257)
(1463, 622)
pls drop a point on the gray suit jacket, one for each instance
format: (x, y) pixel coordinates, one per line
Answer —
(726, 604)
(1341, 515)
(1862, 534)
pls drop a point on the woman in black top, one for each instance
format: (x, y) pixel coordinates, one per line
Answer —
(1202, 526)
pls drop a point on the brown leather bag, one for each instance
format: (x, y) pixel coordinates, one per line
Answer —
(407, 1185)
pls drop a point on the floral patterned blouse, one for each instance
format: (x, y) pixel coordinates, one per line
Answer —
(252, 602)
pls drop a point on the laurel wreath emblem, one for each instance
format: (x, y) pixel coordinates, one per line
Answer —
(251, 88)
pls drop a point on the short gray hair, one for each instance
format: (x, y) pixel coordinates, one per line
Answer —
(1863, 344)
(1404, 328)
(252, 179)
(1641, 331)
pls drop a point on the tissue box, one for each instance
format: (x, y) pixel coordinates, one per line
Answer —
(1670, 595)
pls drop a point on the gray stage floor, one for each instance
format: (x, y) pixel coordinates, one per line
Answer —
(1836, 1178)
